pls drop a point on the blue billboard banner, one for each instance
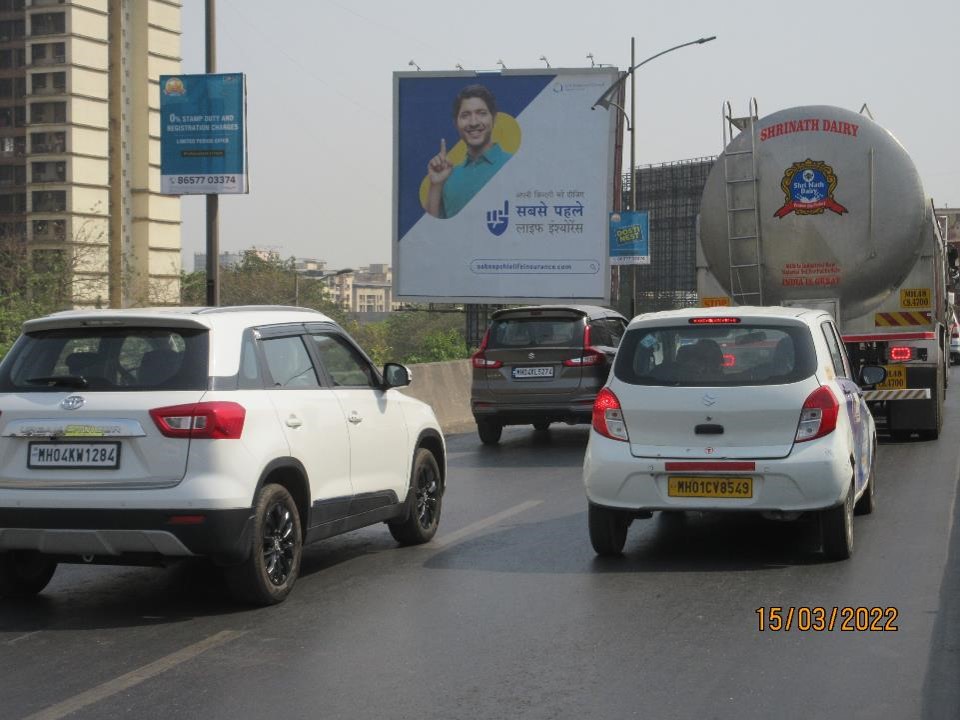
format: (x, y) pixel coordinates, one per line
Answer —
(629, 238)
(502, 185)
(203, 134)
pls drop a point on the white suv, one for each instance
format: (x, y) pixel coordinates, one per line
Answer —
(238, 434)
(732, 409)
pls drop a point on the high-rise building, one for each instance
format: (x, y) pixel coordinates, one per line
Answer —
(80, 143)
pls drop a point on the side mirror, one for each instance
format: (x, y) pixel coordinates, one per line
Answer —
(872, 375)
(396, 375)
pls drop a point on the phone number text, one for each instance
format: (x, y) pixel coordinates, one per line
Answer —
(204, 179)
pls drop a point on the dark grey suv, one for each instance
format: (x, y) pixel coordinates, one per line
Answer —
(542, 364)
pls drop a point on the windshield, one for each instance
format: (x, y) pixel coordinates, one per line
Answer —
(529, 332)
(743, 354)
(107, 359)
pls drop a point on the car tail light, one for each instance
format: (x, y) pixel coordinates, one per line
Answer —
(205, 420)
(479, 358)
(608, 417)
(729, 360)
(955, 333)
(590, 356)
(819, 415)
(901, 353)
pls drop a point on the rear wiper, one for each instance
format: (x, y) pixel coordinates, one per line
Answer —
(57, 380)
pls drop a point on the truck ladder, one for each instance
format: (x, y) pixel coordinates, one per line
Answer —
(743, 215)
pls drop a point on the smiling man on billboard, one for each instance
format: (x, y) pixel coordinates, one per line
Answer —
(451, 187)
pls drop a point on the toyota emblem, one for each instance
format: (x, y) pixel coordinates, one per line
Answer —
(73, 402)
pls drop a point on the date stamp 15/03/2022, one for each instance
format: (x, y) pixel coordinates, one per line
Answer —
(827, 619)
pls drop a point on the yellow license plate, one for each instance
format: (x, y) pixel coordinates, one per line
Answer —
(709, 487)
(896, 378)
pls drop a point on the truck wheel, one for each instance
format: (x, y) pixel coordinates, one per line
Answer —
(423, 515)
(836, 528)
(24, 573)
(489, 431)
(267, 576)
(608, 530)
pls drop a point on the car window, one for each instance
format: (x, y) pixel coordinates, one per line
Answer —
(289, 362)
(692, 355)
(836, 355)
(343, 363)
(600, 334)
(248, 376)
(616, 328)
(117, 359)
(527, 332)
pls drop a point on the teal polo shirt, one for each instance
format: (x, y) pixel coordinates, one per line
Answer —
(467, 179)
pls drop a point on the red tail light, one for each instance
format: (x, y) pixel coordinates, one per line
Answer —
(479, 358)
(819, 415)
(608, 417)
(205, 420)
(729, 360)
(591, 356)
(901, 353)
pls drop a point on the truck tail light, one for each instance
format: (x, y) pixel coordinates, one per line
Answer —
(204, 420)
(479, 358)
(901, 353)
(591, 356)
(819, 415)
(608, 417)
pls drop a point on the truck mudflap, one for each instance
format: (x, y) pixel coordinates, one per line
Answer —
(906, 412)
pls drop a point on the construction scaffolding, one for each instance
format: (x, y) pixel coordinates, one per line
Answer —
(671, 193)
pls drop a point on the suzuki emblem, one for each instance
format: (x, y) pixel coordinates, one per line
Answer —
(74, 402)
(531, 356)
(709, 399)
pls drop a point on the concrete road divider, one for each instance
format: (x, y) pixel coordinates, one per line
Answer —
(445, 386)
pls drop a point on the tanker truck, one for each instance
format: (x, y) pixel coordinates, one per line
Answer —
(821, 207)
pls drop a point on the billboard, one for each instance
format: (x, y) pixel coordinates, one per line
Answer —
(203, 134)
(629, 238)
(502, 185)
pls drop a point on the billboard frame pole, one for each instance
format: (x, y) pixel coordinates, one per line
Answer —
(213, 200)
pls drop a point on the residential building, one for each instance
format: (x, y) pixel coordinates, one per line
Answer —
(80, 143)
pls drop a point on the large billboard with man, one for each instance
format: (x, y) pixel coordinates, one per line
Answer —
(502, 185)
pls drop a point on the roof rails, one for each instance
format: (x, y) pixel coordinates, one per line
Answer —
(254, 308)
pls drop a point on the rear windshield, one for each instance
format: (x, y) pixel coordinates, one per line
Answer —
(107, 359)
(536, 332)
(691, 355)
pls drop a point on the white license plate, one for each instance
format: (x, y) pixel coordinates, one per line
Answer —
(70, 456)
(533, 372)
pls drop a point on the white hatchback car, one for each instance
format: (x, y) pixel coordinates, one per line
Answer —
(741, 408)
(237, 433)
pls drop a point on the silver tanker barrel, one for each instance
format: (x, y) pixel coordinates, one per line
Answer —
(840, 206)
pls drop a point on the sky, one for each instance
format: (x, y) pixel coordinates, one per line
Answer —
(320, 90)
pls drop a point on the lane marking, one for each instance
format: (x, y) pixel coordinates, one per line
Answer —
(22, 637)
(456, 536)
(134, 677)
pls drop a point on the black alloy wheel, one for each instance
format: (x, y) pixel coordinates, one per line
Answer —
(422, 518)
(279, 543)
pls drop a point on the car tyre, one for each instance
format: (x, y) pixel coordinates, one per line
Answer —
(541, 425)
(268, 574)
(836, 528)
(423, 514)
(489, 431)
(868, 501)
(24, 573)
(608, 530)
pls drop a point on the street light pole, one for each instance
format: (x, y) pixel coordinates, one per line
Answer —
(607, 99)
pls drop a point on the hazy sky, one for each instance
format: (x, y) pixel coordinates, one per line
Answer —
(320, 86)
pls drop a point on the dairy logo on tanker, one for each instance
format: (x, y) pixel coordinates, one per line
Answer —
(808, 188)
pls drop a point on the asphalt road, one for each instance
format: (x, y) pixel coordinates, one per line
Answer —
(508, 614)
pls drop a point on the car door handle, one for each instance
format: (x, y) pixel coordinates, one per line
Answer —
(294, 422)
(355, 418)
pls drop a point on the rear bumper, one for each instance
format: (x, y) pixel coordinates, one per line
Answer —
(577, 409)
(222, 535)
(814, 476)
